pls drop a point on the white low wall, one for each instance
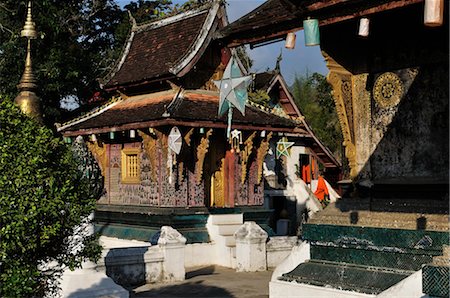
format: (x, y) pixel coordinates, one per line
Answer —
(199, 254)
(278, 249)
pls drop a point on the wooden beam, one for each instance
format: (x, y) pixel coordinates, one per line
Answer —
(172, 122)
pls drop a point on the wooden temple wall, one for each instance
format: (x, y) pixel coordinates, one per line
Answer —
(182, 191)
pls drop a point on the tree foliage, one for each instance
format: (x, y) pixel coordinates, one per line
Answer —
(79, 41)
(44, 200)
(312, 95)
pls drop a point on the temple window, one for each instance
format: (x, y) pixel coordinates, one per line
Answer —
(130, 165)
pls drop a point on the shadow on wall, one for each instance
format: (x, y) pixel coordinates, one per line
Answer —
(410, 162)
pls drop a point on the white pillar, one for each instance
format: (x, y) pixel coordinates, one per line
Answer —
(172, 245)
(251, 248)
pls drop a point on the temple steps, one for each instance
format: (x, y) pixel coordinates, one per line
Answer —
(369, 253)
(221, 228)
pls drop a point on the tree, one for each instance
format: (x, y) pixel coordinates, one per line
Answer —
(44, 199)
(75, 46)
(312, 95)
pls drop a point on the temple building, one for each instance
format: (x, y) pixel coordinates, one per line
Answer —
(161, 145)
(388, 66)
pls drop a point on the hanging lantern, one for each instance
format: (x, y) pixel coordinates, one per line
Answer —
(93, 138)
(363, 30)
(263, 134)
(290, 41)
(202, 130)
(312, 33)
(175, 140)
(68, 140)
(132, 134)
(434, 13)
(151, 130)
(236, 140)
(282, 147)
(112, 135)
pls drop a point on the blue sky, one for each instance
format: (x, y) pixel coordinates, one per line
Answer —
(297, 61)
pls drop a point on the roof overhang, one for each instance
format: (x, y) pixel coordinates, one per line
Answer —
(328, 12)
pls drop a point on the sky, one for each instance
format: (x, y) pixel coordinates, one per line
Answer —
(298, 61)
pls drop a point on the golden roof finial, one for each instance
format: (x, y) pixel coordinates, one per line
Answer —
(27, 100)
(29, 30)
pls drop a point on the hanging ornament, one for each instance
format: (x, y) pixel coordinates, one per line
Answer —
(132, 134)
(112, 135)
(170, 160)
(312, 32)
(282, 147)
(434, 13)
(363, 30)
(290, 41)
(175, 140)
(93, 138)
(68, 140)
(236, 140)
(233, 91)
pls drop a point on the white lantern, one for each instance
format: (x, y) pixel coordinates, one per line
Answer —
(132, 134)
(434, 13)
(363, 30)
(175, 140)
(290, 41)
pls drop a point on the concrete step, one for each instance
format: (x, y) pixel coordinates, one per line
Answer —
(362, 279)
(226, 219)
(230, 241)
(226, 230)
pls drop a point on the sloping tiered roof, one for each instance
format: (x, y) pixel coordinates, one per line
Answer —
(165, 48)
(196, 108)
(269, 80)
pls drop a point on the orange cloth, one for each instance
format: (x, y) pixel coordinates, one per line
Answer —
(306, 174)
(322, 189)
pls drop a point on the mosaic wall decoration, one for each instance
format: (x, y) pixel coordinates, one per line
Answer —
(196, 191)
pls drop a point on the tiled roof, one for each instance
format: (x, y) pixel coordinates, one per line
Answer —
(263, 17)
(263, 80)
(188, 106)
(155, 48)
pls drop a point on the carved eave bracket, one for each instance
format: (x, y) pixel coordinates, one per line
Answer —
(98, 149)
(201, 153)
(340, 80)
(151, 150)
(245, 155)
(261, 155)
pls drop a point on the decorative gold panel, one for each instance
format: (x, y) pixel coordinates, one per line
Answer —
(202, 149)
(245, 154)
(340, 80)
(261, 155)
(98, 149)
(151, 150)
(388, 90)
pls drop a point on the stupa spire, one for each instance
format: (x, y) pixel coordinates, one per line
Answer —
(27, 100)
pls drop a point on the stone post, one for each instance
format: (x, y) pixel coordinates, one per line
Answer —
(251, 248)
(172, 245)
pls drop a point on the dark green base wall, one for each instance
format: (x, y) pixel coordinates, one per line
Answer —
(367, 259)
(142, 223)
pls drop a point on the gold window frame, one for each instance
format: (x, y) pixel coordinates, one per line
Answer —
(126, 173)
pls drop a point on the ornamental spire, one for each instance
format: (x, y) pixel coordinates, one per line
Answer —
(27, 100)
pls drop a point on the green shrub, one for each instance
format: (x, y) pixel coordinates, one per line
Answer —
(44, 197)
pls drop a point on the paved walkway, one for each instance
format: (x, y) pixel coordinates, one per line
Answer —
(211, 281)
